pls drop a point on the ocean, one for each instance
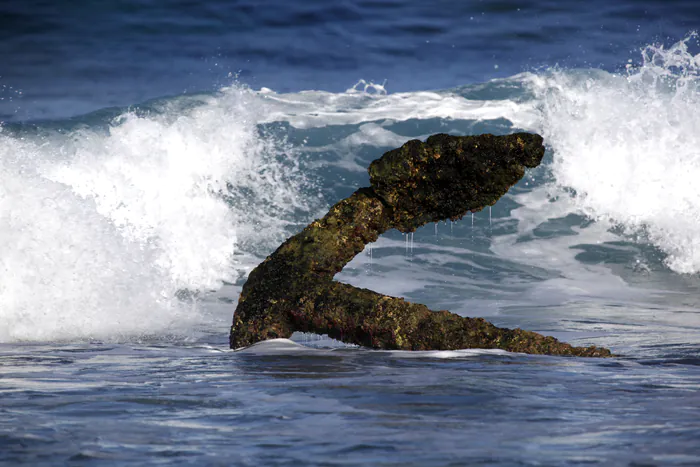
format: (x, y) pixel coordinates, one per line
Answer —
(153, 153)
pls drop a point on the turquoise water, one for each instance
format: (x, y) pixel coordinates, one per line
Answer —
(140, 183)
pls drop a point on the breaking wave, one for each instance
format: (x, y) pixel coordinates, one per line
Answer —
(626, 146)
(103, 224)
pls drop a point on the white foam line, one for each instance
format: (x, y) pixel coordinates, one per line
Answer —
(315, 109)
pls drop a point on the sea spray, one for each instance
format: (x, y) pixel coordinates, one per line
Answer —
(626, 146)
(102, 225)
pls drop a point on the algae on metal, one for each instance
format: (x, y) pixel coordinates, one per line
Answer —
(443, 178)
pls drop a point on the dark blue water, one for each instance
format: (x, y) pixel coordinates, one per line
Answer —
(293, 407)
(69, 59)
(152, 153)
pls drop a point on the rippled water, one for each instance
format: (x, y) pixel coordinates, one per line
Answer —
(88, 55)
(280, 404)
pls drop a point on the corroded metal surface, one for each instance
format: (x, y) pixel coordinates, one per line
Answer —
(443, 178)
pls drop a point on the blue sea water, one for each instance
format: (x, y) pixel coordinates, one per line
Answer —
(152, 153)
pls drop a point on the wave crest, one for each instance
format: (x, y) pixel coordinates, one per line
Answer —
(627, 146)
(102, 226)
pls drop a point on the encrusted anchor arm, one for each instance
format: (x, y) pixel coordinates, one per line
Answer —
(443, 178)
(363, 317)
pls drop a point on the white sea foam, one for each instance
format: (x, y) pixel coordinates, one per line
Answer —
(314, 109)
(629, 146)
(100, 229)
